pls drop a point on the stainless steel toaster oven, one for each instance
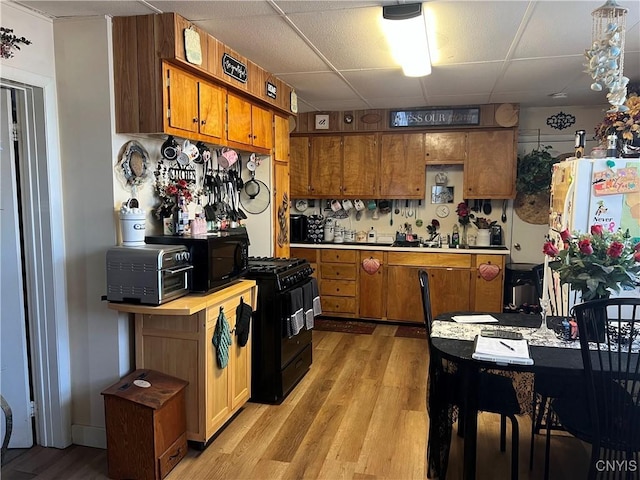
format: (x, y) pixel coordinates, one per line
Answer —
(147, 274)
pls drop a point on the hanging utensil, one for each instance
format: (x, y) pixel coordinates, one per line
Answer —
(397, 208)
(486, 207)
(504, 211)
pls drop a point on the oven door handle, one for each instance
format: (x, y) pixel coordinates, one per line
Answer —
(179, 270)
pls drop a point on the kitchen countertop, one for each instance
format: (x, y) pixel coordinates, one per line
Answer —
(385, 247)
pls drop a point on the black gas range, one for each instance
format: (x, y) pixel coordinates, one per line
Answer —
(279, 362)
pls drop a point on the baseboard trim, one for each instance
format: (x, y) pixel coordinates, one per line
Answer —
(89, 436)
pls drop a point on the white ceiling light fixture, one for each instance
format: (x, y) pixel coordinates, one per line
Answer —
(406, 32)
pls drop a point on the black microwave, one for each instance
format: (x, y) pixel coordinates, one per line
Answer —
(218, 258)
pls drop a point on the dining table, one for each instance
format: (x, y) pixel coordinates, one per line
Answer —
(453, 342)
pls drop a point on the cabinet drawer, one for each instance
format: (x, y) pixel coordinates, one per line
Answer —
(172, 455)
(338, 256)
(454, 260)
(308, 254)
(339, 288)
(332, 304)
(338, 271)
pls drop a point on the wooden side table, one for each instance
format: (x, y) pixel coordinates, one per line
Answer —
(146, 425)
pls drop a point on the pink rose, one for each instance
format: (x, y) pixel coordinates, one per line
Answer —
(550, 249)
(615, 250)
(565, 235)
(637, 247)
(636, 256)
(585, 246)
(596, 230)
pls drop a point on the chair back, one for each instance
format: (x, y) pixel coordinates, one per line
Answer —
(612, 370)
(426, 302)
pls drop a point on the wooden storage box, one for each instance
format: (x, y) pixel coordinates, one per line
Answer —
(146, 425)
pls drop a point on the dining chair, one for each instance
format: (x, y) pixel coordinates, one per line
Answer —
(609, 419)
(444, 393)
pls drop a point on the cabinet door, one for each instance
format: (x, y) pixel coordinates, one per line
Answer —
(404, 300)
(372, 298)
(325, 166)
(360, 166)
(449, 289)
(281, 138)
(240, 363)
(216, 382)
(238, 119)
(445, 147)
(261, 127)
(402, 165)
(183, 100)
(299, 167)
(488, 293)
(281, 209)
(490, 167)
(211, 116)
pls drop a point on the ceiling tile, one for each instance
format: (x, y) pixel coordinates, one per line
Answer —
(463, 79)
(374, 84)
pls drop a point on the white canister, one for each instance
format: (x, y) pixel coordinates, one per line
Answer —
(484, 237)
(132, 225)
(338, 235)
(328, 233)
(349, 236)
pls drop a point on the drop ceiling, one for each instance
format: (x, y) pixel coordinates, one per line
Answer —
(334, 55)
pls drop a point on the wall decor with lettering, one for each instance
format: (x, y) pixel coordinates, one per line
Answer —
(561, 120)
(272, 90)
(234, 68)
(322, 122)
(434, 117)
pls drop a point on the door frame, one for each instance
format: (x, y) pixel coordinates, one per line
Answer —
(41, 185)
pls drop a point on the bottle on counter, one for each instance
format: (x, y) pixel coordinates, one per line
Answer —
(579, 146)
(181, 216)
(612, 145)
(372, 236)
(455, 235)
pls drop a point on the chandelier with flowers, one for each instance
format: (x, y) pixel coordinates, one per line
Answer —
(606, 56)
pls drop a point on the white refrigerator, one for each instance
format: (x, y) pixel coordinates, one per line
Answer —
(587, 192)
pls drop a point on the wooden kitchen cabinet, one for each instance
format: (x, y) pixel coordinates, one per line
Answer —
(281, 148)
(176, 339)
(195, 108)
(338, 282)
(248, 124)
(325, 166)
(402, 165)
(371, 296)
(310, 255)
(445, 148)
(360, 166)
(299, 167)
(488, 293)
(490, 166)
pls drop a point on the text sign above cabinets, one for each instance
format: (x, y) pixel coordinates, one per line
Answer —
(433, 117)
(234, 68)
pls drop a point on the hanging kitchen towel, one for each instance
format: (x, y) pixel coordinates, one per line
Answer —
(222, 339)
(307, 298)
(243, 322)
(295, 321)
(317, 306)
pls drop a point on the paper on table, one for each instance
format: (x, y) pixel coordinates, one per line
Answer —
(502, 350)
(474, 319)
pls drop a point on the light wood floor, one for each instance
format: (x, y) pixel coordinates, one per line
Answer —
(358, 414)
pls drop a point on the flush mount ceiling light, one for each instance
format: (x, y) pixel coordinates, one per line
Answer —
(406, 32)
(606, 55)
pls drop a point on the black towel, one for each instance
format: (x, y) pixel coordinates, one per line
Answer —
(317, 306)
(307, 299)
(295, 317)
(243, 322)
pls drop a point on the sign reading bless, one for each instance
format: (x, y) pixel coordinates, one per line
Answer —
(434, 117)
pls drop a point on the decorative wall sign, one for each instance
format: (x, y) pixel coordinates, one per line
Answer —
(561, 120)
(272, 90)
(234, 68)
(294, 102)
(322, 122)
(615, 182)
(192, 46)
(187, 173)
(434, 117)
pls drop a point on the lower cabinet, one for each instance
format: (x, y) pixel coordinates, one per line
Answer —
(176, 339)
(457, 281)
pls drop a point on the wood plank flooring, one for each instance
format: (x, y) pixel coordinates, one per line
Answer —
(358, 414)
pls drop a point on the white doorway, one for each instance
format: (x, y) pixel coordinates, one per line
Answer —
(17, 429)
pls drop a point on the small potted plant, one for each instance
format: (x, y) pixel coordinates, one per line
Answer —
(484, 233)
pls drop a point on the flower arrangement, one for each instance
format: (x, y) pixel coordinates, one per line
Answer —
(483, 223)
(464, 214)
(595, 263)
(9, 42)
(169, 193)
(433, 227)
(625, 124)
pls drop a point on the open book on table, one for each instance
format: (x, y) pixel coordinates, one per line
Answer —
(502, 350)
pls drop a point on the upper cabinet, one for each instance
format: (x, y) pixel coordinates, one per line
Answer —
(360, 166)
(195, 108)
(445, 148)
(248, 124)
(402, 165)
(299, 167)
(281, 145)
(325, 166)
(490, 166)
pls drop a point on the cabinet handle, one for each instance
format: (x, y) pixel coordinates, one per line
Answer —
(203, 122)
(255, 136)
(195, 119)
